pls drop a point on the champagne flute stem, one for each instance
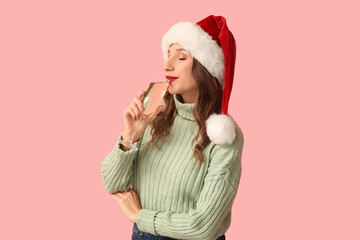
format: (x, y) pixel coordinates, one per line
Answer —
(134, 132)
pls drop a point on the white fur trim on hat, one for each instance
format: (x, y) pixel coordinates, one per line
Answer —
(220, 128)
(199, 44)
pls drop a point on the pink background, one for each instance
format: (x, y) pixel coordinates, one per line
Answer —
(69, 68)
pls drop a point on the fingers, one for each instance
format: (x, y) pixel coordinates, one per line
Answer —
(114, 195)
(139, 103)
(141, 94)
(139, 99)
(136, 108)
(127, 195)
(118, 195)
(131, 111)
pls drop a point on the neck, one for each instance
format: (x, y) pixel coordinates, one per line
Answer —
(184, 110)
(188, 98)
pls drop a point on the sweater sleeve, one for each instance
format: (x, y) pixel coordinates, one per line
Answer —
(214, 203)
(117, 167)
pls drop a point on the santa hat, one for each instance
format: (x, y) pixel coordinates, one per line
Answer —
(211, 43)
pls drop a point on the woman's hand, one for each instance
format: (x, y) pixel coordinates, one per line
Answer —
(129, 203)
(132, 115)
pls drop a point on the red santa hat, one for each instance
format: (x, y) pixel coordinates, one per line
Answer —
(211, 43)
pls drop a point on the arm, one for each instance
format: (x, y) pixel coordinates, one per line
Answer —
(117, 167)
(214, 204)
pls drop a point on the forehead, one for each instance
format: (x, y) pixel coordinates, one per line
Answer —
(174, 47)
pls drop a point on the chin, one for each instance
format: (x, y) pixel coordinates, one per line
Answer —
(171, 90)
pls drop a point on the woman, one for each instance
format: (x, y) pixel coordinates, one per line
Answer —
(187, 170)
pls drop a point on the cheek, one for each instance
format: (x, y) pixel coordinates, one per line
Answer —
(189, 78)
(186, 70)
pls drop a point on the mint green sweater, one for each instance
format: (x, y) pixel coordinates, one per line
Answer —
(177, 199)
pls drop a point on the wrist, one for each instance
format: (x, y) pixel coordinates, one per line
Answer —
(136, 215)
(123, 147)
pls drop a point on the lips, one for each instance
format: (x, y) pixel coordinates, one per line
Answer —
(171, 78)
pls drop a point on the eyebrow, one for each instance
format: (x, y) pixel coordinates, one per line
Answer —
(178, 50)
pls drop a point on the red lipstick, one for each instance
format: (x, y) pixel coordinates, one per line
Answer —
(171, 78)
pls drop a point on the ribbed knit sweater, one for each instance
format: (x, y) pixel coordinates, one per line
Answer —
(178, 200)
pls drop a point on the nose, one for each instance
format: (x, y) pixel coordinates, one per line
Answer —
(168, 66)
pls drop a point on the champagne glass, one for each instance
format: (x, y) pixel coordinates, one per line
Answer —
(152, 98)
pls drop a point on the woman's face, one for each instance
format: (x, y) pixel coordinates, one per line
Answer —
(179, 64)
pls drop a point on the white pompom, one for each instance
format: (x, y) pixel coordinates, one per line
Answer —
(220, 128)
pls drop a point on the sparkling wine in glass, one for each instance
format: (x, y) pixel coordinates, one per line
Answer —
(151, 99)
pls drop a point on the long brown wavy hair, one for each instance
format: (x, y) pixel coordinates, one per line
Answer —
(209, 101)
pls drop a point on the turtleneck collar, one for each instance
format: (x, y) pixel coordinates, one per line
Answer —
(184, 110)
